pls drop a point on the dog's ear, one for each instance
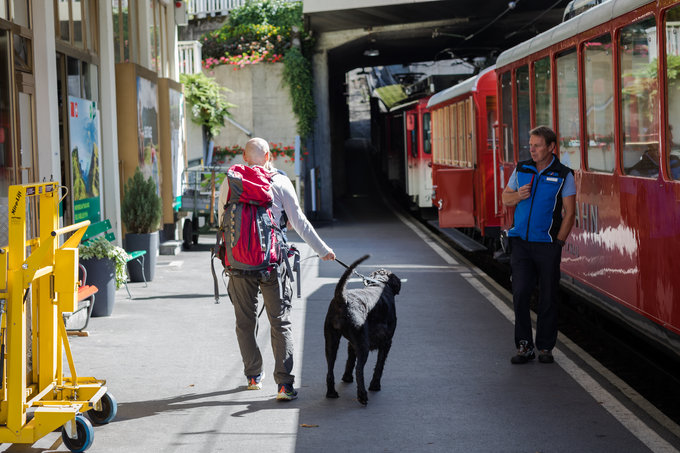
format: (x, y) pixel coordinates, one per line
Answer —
(395, 283)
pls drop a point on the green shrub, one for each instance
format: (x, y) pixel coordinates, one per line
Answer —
(141, 206)
(101, 248)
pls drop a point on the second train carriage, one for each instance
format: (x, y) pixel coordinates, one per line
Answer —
(608, 82)
(408, 154)
(466, 172)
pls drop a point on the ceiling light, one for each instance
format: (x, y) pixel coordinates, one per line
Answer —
(371, 52)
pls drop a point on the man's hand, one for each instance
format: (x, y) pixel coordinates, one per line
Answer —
(329, 257)
(524, 191)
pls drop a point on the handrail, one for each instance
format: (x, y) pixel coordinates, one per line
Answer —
(68, 229)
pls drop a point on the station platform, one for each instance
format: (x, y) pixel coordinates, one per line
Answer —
(171, 359)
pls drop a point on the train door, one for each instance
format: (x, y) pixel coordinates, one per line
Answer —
(425, 163)
(411, 128)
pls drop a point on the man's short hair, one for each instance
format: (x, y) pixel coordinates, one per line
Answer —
(544, 131)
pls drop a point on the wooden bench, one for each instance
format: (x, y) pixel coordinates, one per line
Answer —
(85, 304)
(104, 228)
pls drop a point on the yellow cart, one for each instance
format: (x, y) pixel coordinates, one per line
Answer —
(39, 281)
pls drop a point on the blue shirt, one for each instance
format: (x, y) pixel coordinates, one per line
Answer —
(568, 190)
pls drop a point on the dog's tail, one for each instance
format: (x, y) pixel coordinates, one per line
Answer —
(340, 288)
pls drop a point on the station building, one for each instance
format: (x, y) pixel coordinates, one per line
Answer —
(89, 92)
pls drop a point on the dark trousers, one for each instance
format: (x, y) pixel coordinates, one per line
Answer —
(276, 294)
(535, 262)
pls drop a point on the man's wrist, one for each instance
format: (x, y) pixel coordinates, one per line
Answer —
(560, 242)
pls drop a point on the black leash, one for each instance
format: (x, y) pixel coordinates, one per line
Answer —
(363, 277)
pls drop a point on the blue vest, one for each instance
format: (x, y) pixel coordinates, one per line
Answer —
(539, 217)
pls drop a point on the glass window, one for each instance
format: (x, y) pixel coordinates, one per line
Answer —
(77, 14)
(523, 111)
(427, 134)
(63, 16)
(491, 122)
(21, 13)
(673, 90)
(566, 65)
(73, 77)
(413, 134)
(639, 99)
(599, 97)
(543, 92)
(23, 58)
(506, 130)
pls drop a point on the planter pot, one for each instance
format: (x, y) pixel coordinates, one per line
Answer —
(101, 273)
(142, 241)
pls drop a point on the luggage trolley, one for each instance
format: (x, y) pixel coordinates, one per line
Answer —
(36, 397)
(200, 185)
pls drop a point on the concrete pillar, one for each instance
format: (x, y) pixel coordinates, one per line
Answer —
(109, 135)
(47, 107)
(321, 143)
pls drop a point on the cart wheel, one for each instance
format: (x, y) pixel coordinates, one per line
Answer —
(108, 412)
(84, 433)
(187, 233)
(195, 226)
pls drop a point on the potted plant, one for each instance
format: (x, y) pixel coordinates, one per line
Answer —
(141, 214)
(105, 266)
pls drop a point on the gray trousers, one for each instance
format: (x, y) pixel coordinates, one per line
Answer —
(276, 292)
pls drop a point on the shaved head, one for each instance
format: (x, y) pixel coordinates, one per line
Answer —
(256, 152)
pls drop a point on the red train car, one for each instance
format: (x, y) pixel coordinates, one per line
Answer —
(607, 82)
(409, 151)
(466, 171)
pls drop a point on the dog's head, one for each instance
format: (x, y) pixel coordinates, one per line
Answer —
(388, 278)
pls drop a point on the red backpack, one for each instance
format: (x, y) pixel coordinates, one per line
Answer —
(250, 237)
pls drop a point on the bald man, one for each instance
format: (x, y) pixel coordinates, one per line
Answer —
(276, 287)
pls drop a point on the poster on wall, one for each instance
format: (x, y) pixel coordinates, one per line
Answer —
(84, 139)
(147, 124)
(177, 141)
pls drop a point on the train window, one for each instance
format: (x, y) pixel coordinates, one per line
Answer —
(523, 111)
(639, 99)
(599, 97)
(566, 65)
(506, 93)
(427, 134)
(673, 88)
(543, 92)
(412, 130)
(491, 138)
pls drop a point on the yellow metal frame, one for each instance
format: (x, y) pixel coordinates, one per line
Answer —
(50, 272)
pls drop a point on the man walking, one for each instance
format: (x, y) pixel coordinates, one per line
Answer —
(275, 285)
(539, 188)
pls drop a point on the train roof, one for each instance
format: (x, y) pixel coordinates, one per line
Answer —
(578, 24)
(463, 87)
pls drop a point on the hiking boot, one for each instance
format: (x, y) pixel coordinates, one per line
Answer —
(286, 392)
(545, 356)
(524, 353)
(255, 382)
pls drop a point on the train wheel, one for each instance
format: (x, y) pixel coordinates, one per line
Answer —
(107, 413)
(84, 435)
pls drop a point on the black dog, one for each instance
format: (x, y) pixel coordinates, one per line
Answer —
(367, 318)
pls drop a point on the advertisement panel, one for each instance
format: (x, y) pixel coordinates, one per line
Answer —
(84, 139)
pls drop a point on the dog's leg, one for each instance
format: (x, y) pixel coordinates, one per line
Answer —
(379, 366)
(362, 357)
(332, 337)
(349, 366)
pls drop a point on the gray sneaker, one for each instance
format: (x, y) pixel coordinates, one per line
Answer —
(255, 382)
(524, 353)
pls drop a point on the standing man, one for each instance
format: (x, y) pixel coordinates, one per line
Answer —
(539, 188)
(275, 285)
